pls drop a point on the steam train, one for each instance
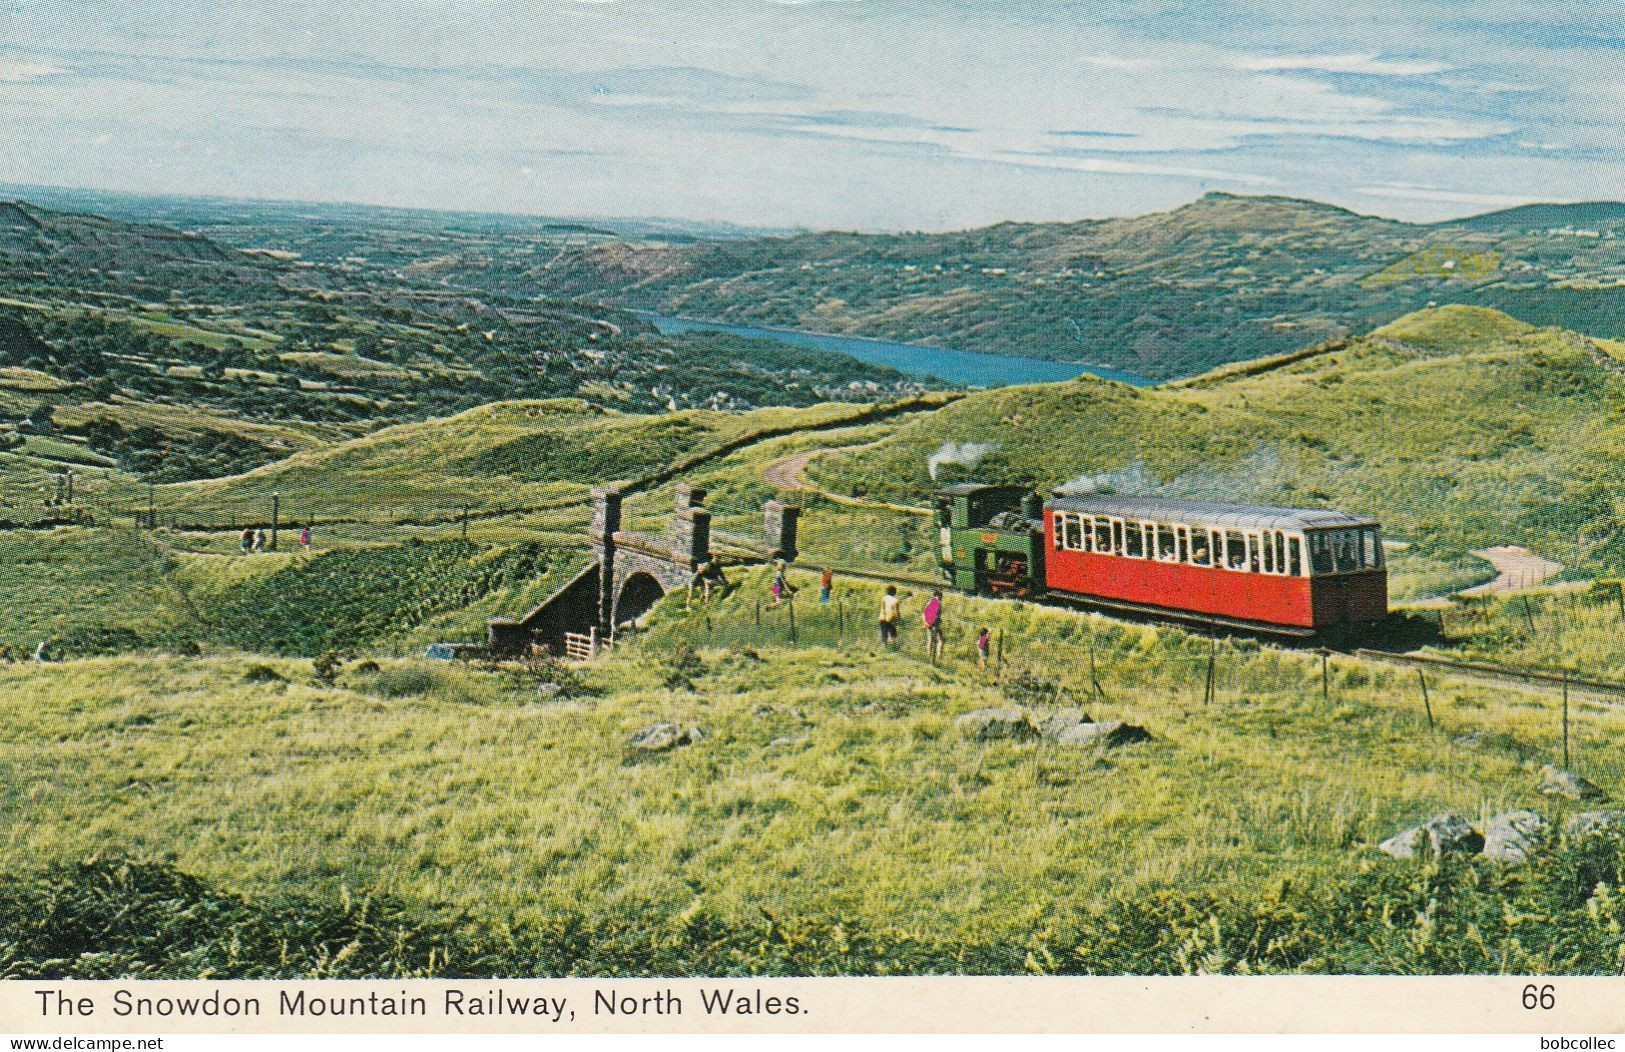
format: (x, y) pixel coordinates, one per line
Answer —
(1290, 571)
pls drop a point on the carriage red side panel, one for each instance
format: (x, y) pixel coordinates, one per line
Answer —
(1297, 602)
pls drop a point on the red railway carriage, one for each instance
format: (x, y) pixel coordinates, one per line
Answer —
(1297, 570)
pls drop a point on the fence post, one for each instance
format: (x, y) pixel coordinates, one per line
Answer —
(790, 602)
(1427, 705)
(1096, 693)
(758, 613)
(1565, 720)
(1209, 687)
(1325, 675)
(276, 513)
(1001, 648)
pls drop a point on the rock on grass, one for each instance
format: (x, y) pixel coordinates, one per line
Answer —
(1443, 833)
(665, 735)
(1555, 781)
(1512, 837)
(995, 724)
(1112, 734)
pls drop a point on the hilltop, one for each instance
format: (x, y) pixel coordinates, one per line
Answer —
(1460, 427)
(1225, 278)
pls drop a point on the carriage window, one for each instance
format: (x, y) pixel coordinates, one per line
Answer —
(1074, 533)
(1134, 537)
(1320, 553)
(1103, 536)
(1346, 551)
(1167, 547)
(1200, 552)
(1235, 550)
(1294, 556)
(1267, 540)
(1371, 549)
(1060, 529)
(1182, 544)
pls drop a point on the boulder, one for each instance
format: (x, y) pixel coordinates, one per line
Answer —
(1443, 833)
(1062, 720)
(1470, 740)
(991, 724)
(1555, 781)
(659, 737)
(1595, 823)
(787, 740)
(1112, 734)
(1512, 836)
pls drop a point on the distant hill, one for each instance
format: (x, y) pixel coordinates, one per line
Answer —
(29, 233)
(1459, 427)
(1528, 217)
(1225, 278)
(176, 357)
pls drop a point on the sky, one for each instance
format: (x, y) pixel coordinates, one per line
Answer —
(824, 114)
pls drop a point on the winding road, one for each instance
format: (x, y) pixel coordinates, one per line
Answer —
(1515, 568)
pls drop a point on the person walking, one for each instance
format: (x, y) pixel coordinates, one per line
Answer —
(932, 616)
(701, 580)
(891, 610)
(259, 540)
(304, 539)
(984, 643)
(826, 584)
(780, 588)
(42, 653)
(246, 540)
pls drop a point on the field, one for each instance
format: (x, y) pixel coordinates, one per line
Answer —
(832, 790)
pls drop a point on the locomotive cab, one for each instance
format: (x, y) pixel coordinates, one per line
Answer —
(990, 538)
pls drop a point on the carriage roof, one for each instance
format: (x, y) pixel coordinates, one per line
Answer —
(1206, 512)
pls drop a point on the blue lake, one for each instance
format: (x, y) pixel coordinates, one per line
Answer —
(960, 367)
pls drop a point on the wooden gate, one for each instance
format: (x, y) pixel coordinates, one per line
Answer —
(579, 646)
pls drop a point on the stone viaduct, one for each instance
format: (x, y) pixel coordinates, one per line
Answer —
(632, 571)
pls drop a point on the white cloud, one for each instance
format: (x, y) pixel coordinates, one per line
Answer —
(1115, 166)
(23, 72)
(1411, 192)
(1354, 63)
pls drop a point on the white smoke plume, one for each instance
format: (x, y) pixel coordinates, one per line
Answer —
(964, 454)
(1132, 479)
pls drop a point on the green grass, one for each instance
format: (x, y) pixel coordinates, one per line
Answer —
(504, 455)
(75, 584)
(466, 787)
(1457, 427)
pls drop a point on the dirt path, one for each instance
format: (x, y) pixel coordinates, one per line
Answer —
(1515, 568)
(791, 474)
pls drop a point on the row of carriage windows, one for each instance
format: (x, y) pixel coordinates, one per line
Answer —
(1249, 551)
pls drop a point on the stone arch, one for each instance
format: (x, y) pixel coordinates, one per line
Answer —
(641, 591)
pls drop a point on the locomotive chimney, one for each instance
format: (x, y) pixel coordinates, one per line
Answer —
(1032, 507)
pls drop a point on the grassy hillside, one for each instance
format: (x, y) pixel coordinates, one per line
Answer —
(1223, 279)
(832, 787)
(1458, 427)
(175, 357)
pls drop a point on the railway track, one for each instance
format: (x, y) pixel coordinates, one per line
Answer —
(1539, 680)
(1488, 672)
